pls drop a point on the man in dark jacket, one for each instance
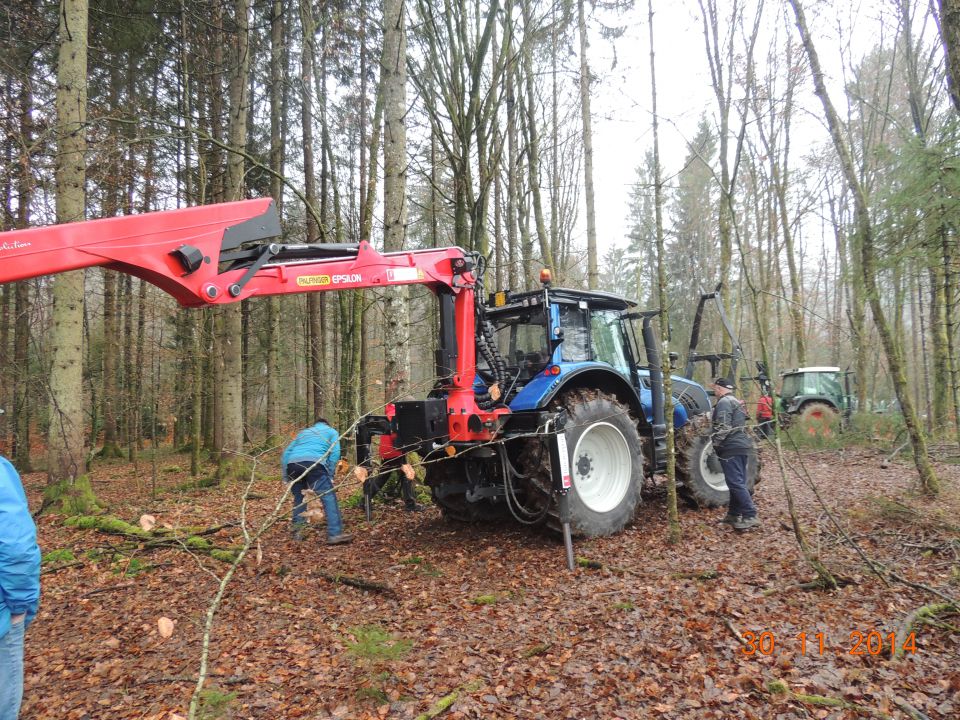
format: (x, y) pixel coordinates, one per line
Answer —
(19, 585)
(733, 447)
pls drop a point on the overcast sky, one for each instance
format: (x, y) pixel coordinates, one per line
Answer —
(622, 123)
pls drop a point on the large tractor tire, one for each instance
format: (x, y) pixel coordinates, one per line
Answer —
(818, 419)
(818, 412)
(447, 480)
(699, 470)
(606, 463)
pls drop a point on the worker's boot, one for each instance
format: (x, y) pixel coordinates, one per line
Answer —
(728, 519)
(341, 539)
(743, 524)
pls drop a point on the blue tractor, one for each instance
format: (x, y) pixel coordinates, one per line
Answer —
(575, 357)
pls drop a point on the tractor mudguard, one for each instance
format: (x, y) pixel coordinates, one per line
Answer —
(540, 392)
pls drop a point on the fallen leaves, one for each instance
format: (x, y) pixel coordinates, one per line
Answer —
(642, 636)
(165, 627)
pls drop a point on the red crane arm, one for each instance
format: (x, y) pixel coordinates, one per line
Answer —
(218, 254)
(223, 253)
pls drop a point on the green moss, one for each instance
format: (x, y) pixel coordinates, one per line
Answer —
(227, 556)
(626, 605)
(214, 704)
(777, 687)
(197, 484)
(589, 564)
(538, 649)
(354, 500)
(129, 567)
(375, 643)
(485, 600)
(58, 557)
(233, 468)
(195, 542)
(822, 701)
(412, 560)
(107, 524)
(71, 498)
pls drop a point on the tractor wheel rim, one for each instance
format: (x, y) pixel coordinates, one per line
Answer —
(602, 467)
(715, 480)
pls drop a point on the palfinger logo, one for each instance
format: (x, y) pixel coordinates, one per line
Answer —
(313, 280)
(15, 245)
(318, 280)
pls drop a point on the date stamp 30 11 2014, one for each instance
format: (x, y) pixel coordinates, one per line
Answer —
(870, 642)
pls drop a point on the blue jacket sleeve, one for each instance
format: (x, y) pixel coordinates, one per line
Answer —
(19, 553)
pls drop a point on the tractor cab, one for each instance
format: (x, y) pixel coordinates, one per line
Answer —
(552, 336)
(815, 393)
(549, 333)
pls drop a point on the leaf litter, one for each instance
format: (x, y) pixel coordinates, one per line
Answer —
(645, 629)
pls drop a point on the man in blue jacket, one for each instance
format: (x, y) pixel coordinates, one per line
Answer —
(19, 585)
(309, 463)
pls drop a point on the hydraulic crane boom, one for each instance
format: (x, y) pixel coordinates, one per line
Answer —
(224, 253)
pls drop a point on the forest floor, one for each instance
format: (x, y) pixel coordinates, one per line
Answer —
(492, 615)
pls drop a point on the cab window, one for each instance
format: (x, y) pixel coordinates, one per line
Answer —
(607, 335)
(576, 335)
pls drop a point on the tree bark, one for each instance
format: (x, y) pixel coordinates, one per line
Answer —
(393, 70)
(673, 515)
(533, 146)
(277, 89)
(66, 438)
(950, 36)
(592, 274)
(310, 193)
(232, 381)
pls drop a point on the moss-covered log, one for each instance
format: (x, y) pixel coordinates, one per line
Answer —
(153, 539)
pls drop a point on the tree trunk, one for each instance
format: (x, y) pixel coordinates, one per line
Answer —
(66, 440)
(592, 275)
(277, 89)
(393, 86)
(310, 193)
(673, 515)
(513, 252)
(533, 147)
(22, 408)
(950, 36)
(232, 381)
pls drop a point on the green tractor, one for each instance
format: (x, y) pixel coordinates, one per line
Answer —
(816, 394)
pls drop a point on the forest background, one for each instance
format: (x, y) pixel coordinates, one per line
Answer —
(419, 124)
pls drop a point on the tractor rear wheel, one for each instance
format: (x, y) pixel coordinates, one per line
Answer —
(818, 412)
(818, 419)
(699, 470)
(606, 463)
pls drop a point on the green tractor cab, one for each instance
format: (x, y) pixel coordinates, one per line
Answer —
(816, 394)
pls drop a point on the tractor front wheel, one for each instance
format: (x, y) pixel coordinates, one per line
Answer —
(606, 463)
(699, 469)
